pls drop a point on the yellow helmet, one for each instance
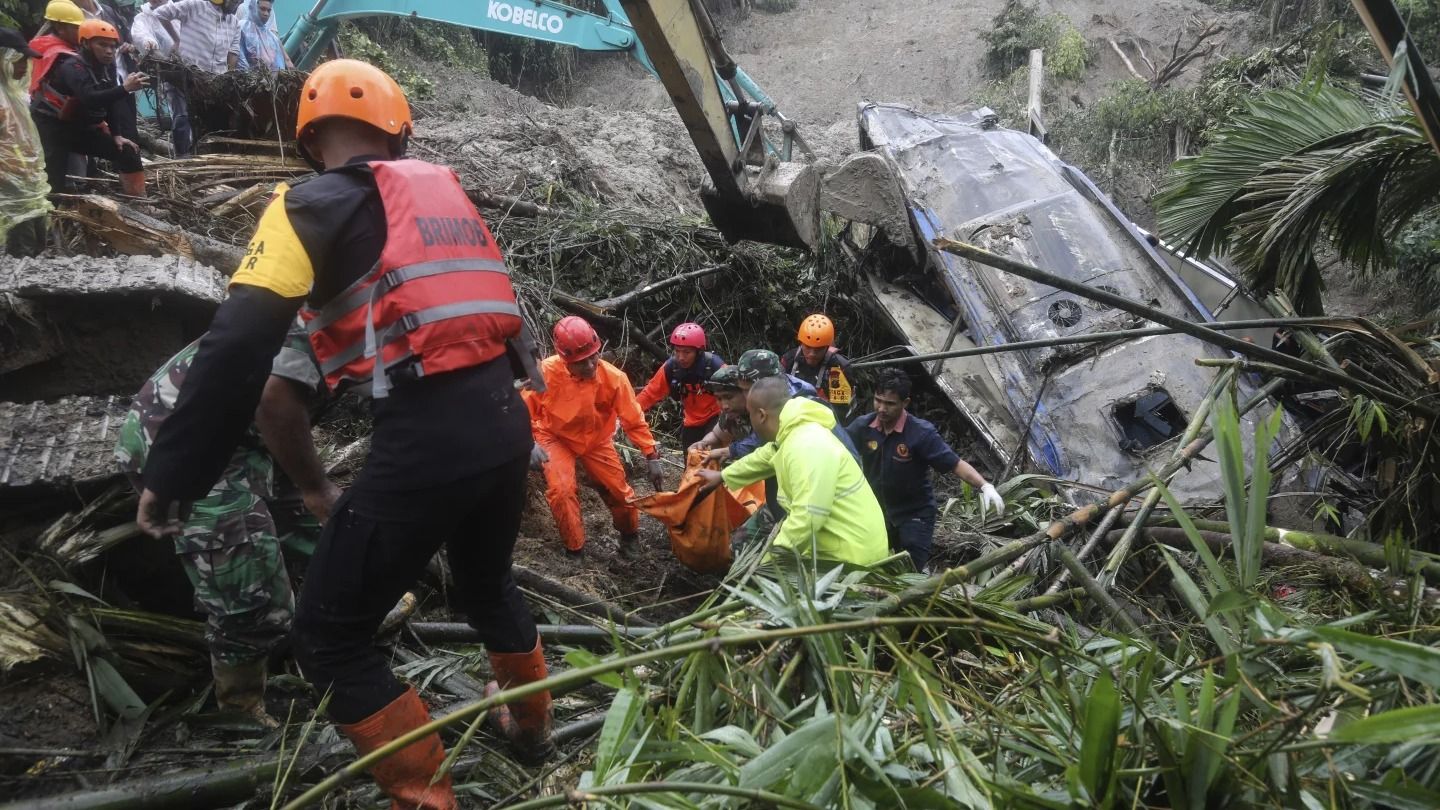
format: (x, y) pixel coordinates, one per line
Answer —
(64, 11)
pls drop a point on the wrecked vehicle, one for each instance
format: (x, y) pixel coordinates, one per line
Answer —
(1101, 413)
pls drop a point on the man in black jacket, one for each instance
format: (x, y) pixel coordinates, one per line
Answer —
(80, 107)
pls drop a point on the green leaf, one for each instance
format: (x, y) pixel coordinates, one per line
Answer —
(584, 658)
(1229, 601)
(779, 759)
(1412, 724)
(615, 735)
(1097, 746)
(1398, 797)
(1404, 658)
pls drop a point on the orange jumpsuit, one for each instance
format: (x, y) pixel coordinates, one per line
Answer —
(574, 420)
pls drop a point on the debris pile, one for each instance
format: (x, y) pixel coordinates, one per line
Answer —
(1131, 651)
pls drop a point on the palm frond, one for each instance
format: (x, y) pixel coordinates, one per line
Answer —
(1299, 167)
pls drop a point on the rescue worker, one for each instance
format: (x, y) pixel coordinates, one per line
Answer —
(574, 420)
(405, 294)
(231, 544)
(830, 511)
(683, 377)
(722, 444)
(818, 362)
(24, 200)
(898, 450)
(78, 105)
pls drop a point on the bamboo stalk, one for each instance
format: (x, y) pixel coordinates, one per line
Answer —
(1048, 600)
(1352, 575)
(1195, 330)
(460, 633)
(577, 796)
(1370, 554)
(1097, 337)
(1099, 594)
(581, 675)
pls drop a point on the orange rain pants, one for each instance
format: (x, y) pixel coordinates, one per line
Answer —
(574, 421)
(603, 466)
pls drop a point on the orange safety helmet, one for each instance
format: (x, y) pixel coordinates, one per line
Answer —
(575, 339)
(817, 332)
(91, 29)
(349, 88)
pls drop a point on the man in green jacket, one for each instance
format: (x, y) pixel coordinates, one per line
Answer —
(831, 511)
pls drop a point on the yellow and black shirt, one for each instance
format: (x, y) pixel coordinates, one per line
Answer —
(315, 239)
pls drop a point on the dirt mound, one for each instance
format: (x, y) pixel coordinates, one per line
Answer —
(518, 145)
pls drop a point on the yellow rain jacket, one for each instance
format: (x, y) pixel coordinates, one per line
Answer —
(832, 513)
(23, 188)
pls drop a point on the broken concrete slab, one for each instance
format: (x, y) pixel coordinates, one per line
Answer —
(86, 276)
(69, 442)
(97, 325)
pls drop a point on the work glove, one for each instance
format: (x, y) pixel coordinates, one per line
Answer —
(538, 457)
(657, 474)
(990, 499)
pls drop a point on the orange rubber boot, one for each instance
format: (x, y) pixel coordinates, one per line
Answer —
(524, 723)
(405, 775)
(132, 184)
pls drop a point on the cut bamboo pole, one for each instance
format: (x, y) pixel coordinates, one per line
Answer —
(585, 634)
(1347, 573)
(1103, 337)
(1199, 331)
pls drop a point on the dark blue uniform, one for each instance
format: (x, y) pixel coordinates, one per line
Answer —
(897, 465)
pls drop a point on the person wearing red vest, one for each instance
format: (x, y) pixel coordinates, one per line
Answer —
(574, 420)
(60, 37)
(406, 296)
(80, 107)
(683, 377)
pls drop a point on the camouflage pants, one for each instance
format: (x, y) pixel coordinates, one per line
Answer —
(232, 553)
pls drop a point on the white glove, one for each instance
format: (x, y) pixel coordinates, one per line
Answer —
(538, 457)
(990, 499)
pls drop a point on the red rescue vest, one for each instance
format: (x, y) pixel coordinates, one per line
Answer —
(439, 299)
(42, 92)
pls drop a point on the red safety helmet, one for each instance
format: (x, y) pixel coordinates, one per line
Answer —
(817, 332)
(688, 334)
(575, 339)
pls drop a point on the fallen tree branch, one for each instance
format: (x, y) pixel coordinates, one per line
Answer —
(620, 302)
(1128, 64)
(511, 206)
(579, 600)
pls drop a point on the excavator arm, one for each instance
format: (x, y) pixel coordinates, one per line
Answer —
(757, 190)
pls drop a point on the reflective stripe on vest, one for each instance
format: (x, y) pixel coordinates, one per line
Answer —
(438, 299)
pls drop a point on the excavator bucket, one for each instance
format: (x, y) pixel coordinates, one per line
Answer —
(780, 208)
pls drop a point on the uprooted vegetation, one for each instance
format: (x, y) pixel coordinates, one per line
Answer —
(1132, 652)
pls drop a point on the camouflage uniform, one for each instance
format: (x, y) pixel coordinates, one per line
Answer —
(230, 547)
